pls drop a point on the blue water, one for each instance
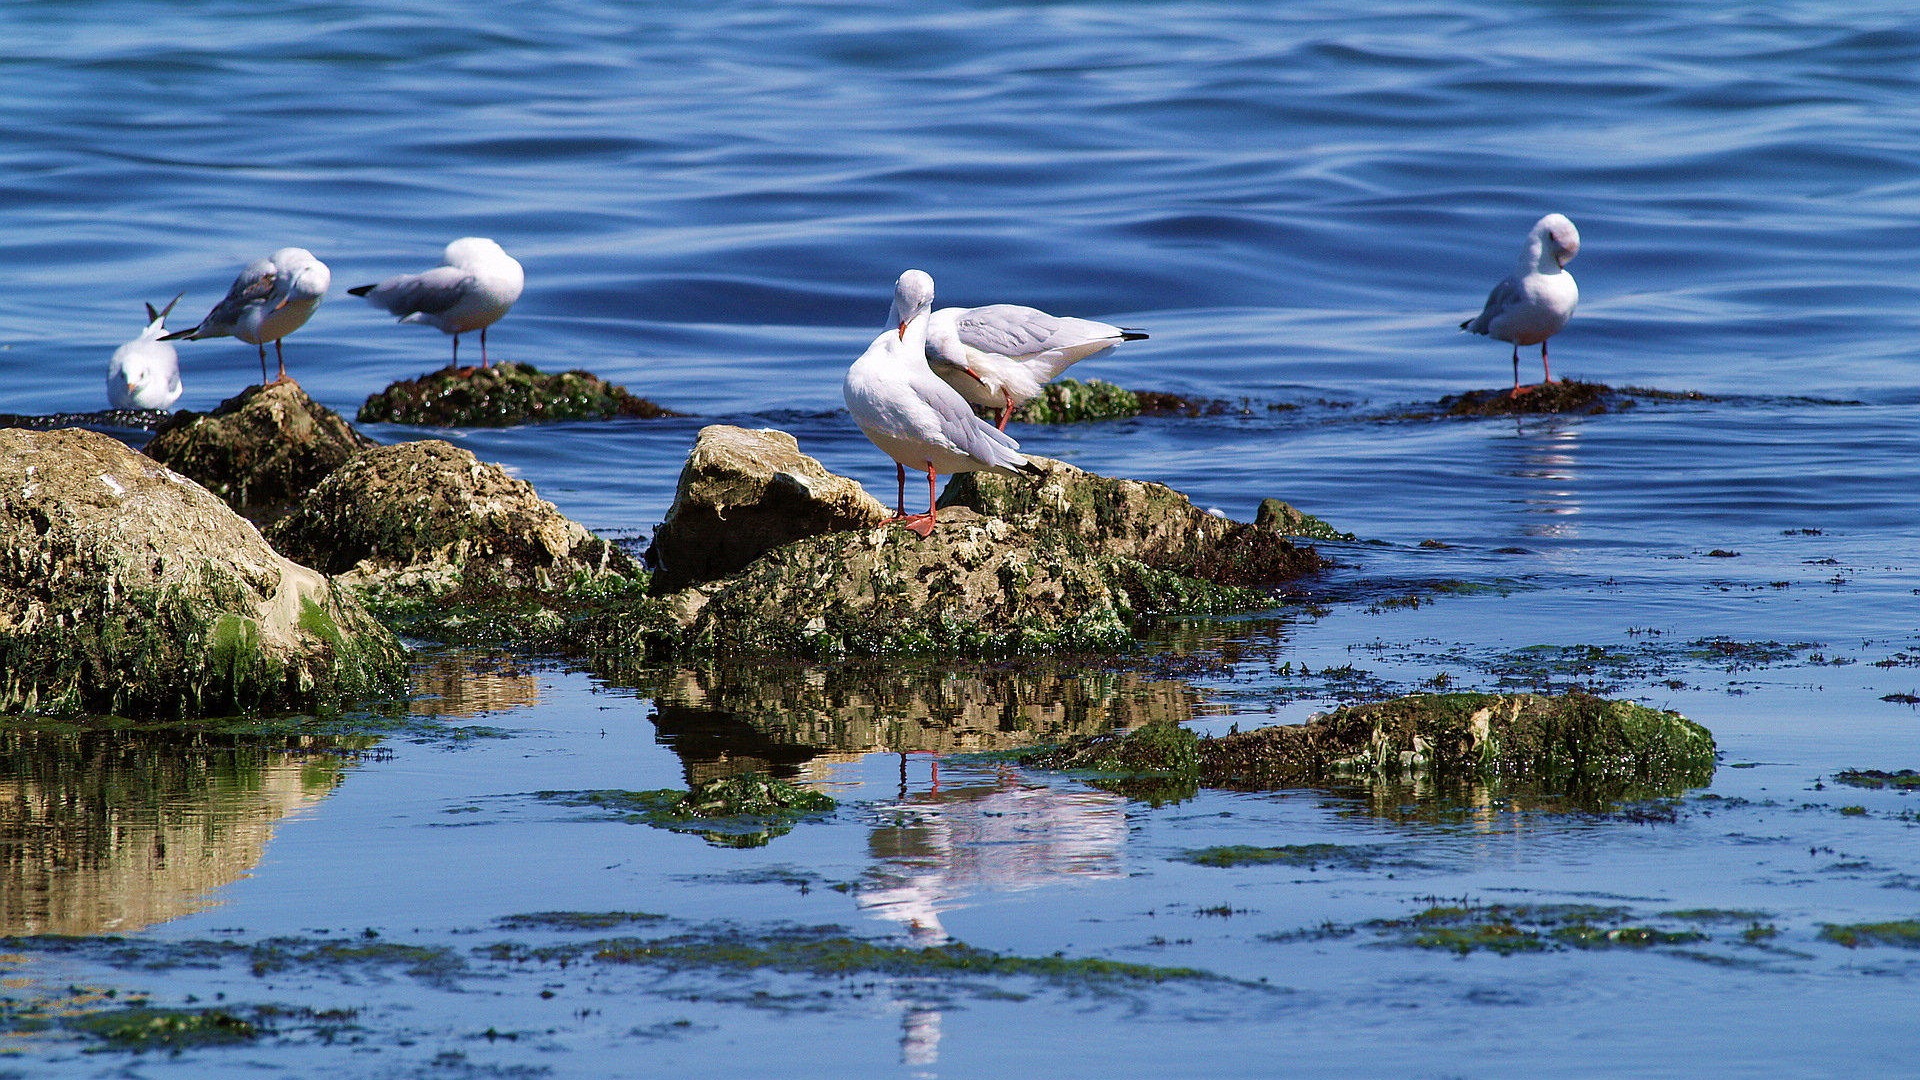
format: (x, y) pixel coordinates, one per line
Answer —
(1300, 203)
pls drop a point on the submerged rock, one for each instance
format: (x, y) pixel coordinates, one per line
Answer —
(259, 450)
(1070, 401)
(743, 493)
(128, 589)
(1565, 743)
(1283, 518)
(1133, 519)
(504, 395)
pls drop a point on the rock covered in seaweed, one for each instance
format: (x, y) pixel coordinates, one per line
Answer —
(1070, 401)
(128, 589)
(743, 493)
(504, 395)
(424, 518)
(1564, 743)
(259, 450)
(1134, 519)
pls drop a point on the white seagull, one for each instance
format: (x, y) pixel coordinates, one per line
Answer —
(1001, 355)
(270, 299)
(145, 372)
(476, 285)
(1538, 298)
(915, 418)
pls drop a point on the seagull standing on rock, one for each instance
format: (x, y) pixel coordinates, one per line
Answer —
(1002, 355)
(1538, 298)
(270, 299)
(914, 417)
(145, 372)
(471, 291)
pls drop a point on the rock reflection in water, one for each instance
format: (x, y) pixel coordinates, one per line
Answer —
(1546, 467)
(458, 683)
(111, 831)
(777, 718)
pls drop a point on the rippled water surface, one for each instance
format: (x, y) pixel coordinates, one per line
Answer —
(1300, 202)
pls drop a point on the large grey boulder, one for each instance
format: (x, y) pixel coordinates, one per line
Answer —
(425, 519)
(126, 588)
(259, 450)
(743, 493)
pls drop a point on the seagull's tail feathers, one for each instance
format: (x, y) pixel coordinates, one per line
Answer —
(1028, 467)
(188, 333)
(1129, 334)
(362, 290)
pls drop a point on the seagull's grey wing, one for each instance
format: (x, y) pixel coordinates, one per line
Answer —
(254, 286)
(963, 429)
(1505, 295)
(1009, 329)
(430, 293)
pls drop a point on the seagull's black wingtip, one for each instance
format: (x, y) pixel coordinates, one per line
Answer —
(178, 334)
(361, 290)
(1128, 334)
(1031, 469)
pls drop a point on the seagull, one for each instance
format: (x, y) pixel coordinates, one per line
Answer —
(270, 299)
(915, 418)
(145, 372)
(1538, 298)
(1000, 356)
(471, 291)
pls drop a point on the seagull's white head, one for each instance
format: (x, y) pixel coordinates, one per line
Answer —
(305, 276)
(469, 250)
(912, 298)
(1555, 238)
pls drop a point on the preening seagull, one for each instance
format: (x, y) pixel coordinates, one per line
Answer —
(1538, 298)
(270, 299)
(914, 417)
(471, 291)
(145, 372)
(1002, 355)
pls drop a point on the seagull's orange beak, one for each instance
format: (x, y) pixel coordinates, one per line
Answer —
(903, 331)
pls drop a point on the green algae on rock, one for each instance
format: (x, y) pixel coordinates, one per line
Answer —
(1570, 742)
(743, 493)
(1904, 780)
(127, 589)
(259, 450)
(504, 395)
(1514, 928)
(452, 548)
(1565, 742)
(1070, 401)
(746, 810)
(143, 1027)
(1132, 519)
(1901, 933)
(1285, 519)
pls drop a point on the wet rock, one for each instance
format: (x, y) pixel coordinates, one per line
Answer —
(1284, 519)
(1146, 522)
(504, 395)
(977, 586)
(127, 589)
(260, 450)
(743, 493)
(428, 521)
(1070, 401)
(1564, 743)
(111, 420)
(1563, 396)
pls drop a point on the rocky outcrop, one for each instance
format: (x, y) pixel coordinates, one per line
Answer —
(425, 519)
(1571, 743)
(1133, 519)
(127, 589)
(258, 451)
(743, 493)
(1285, 519)
(504, 395)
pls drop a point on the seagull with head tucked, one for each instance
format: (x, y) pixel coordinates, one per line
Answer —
(1538, 298)
(476, 285)
(270, 299)
(914, 417)
(1002, 355)
(145, 372)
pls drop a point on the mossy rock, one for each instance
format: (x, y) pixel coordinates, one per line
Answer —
(504, 395)
(1283, 518)
(1567, 743)
(1563, 742)
(1562, 396)
(259, 450)
(1159, 749)
(1070, 401)
(1149, 523)
(131, 590)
